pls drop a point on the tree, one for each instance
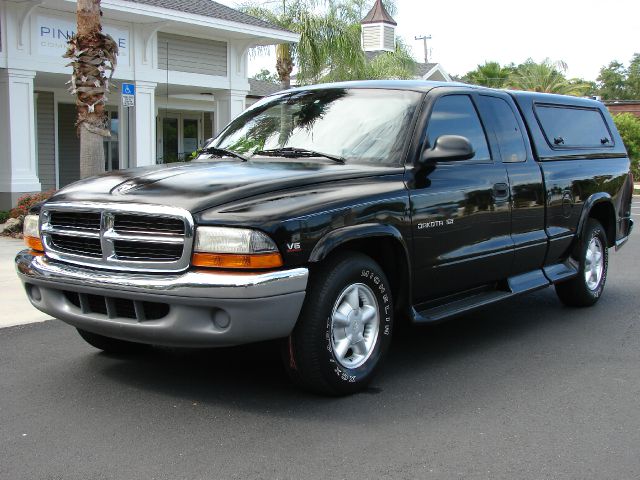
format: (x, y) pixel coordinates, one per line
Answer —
(266, 76)
(93, 57)
(611, 81)
(329, 47)
(629, 127)
(545, 77)
(490, 74)
(616, 82)
(633, 78)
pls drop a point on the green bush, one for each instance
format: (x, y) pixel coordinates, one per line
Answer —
(629, 127)
(4, 216)
(25, 202)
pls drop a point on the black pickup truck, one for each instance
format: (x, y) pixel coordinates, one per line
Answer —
(323, 216)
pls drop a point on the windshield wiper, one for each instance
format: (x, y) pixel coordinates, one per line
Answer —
(223, 152)
(293, 152)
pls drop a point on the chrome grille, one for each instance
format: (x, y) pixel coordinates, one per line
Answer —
(124, 237)
(139, 223)
(75, 220)
(77, 245)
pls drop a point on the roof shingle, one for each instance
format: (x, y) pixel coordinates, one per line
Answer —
(209, 8)
(262, 88)
(379, 14)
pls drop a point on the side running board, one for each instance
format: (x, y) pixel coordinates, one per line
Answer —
(516, 285)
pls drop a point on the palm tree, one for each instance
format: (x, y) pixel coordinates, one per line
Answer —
(490, 74)
(545, 77)
(93, 57)
(329, 47)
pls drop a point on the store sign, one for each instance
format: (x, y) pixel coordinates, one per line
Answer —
(54, 32)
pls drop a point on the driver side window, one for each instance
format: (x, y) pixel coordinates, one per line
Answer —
(456, 115)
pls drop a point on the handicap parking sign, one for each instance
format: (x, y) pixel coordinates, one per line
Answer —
(128, 94)
(128, 89)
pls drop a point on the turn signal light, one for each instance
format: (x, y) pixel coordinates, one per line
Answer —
(228, 260)
(34, 243)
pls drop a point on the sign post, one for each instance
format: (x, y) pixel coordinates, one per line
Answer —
(128, 101)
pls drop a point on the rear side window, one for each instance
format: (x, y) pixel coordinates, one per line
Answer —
(507, 128)
(456, 115)
(573, 127)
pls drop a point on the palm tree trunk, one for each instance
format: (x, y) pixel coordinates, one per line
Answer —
(284, 65)
(91, 152)
(93, 57)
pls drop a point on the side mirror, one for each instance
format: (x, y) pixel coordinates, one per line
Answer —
(449, 148)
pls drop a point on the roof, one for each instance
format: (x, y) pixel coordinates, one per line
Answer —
(262, 88)
(208, 8)
(379, 14)
(423, 68)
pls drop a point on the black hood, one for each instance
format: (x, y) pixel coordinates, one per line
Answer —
(201, 185)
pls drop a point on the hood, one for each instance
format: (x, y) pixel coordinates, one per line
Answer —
(201, 185)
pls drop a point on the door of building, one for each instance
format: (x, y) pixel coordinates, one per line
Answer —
(179, 135)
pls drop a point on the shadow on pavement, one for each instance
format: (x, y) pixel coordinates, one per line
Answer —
(252, 378)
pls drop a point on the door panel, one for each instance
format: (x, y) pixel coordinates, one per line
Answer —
(525, 180)
(460, 212)
(461, 230)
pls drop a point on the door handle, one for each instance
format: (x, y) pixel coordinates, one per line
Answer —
(501, 191)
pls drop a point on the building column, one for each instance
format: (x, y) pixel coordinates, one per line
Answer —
(143, 129)
(18, 162)
(229, 104)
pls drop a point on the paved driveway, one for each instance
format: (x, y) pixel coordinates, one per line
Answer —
(523, 390)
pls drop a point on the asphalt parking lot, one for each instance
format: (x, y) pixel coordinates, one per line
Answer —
(524, 390)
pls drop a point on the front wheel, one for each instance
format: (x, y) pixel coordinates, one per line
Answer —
(344, 329)
(585, 289)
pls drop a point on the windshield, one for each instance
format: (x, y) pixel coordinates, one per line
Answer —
(357, 125)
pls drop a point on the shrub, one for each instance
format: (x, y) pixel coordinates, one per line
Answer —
(4, 216)
(629, 127)
(23, 206)
(27, 201)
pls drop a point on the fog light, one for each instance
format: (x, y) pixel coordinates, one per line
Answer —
(221, 319)
(34, 293)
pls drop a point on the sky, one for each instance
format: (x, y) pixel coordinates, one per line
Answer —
(585, 34)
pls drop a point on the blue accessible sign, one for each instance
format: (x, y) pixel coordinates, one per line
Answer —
(128, 94)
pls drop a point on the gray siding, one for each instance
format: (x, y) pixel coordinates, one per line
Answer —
(46, 140)
(68, 144)
(192, 55)
(389, 38)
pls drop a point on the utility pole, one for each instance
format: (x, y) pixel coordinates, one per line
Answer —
(424, 38)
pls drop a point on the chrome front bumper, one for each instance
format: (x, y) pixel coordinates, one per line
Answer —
(204, 308)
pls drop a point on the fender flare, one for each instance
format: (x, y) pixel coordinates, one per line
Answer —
(592, 201)
(342, 235)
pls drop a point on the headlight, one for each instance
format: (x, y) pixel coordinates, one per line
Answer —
(31, 232)
(222, 247)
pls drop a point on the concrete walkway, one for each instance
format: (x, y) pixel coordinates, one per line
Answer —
(15, 309)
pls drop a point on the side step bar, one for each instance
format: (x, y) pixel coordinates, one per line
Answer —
(516, 285)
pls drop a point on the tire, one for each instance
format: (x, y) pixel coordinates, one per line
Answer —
(592, 254)
(111, 345)
(335, 349)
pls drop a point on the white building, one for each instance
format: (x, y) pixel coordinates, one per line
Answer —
(188, 61)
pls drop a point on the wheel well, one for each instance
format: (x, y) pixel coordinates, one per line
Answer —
(604, 213)
(390, 255)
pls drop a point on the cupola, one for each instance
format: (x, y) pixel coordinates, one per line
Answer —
(378, 30)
